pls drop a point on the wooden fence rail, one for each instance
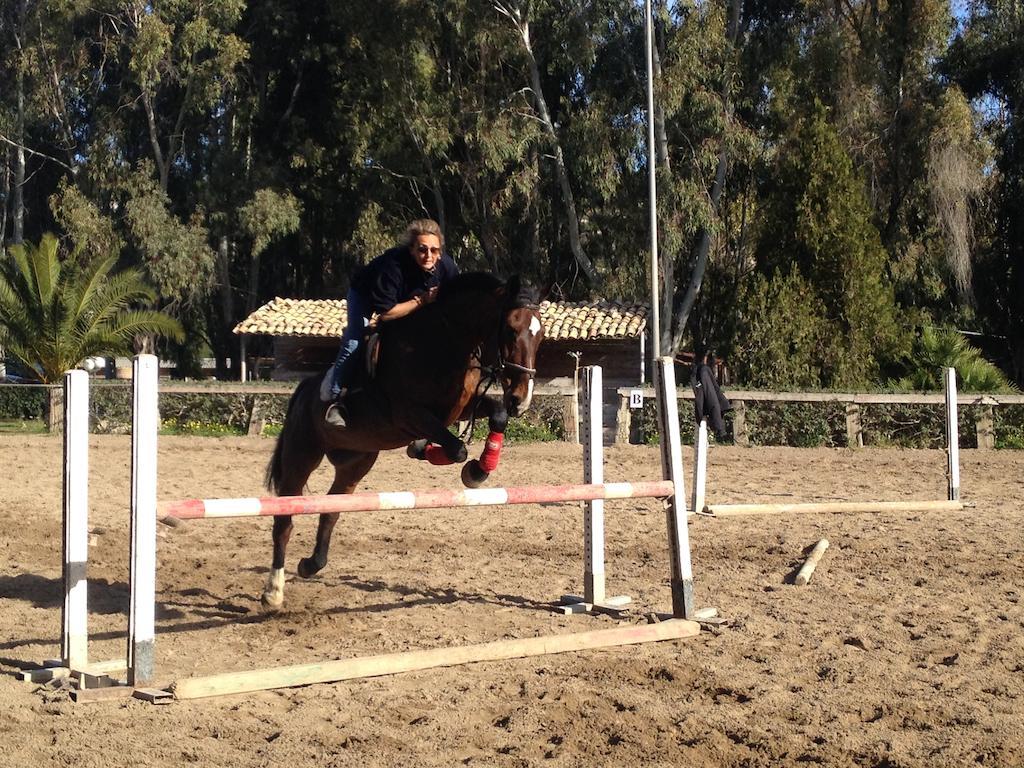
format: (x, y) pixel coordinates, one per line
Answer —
(984, 422)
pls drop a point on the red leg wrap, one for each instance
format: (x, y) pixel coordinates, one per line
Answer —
(492, 452)
(436, 455)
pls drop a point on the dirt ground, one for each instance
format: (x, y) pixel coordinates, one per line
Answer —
(905, 649)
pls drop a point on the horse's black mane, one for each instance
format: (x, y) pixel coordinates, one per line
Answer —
(526, 296)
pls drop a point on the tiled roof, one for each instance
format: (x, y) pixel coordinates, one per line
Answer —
(562, 319)
(297, 317)
(596, 320)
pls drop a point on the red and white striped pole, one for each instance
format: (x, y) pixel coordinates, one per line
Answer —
(189, 509)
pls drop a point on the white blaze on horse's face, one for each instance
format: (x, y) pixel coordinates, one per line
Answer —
(525, 405)
(524, 335)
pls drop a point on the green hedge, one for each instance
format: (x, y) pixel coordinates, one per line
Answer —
(823, 425)
(544, 422)
(186, 412)
(803, 425)
(23, 403)
(1009, 426)
(219, 413)
(768, 422)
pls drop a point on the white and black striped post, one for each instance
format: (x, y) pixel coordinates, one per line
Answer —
(700, 468)
(75, 615)
(681, 569)
(592, 434)
(952, 437)
(592, 437)
(142, 600)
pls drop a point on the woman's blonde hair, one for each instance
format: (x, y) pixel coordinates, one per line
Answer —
(422, 227)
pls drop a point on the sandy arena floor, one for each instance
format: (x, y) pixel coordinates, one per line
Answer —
(906, 649)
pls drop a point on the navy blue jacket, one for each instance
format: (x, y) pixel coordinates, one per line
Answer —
(394, 277)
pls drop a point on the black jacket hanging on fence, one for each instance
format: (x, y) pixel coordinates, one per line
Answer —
(708, 401)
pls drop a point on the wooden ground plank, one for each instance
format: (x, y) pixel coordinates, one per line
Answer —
(825, 507)
(389, 664)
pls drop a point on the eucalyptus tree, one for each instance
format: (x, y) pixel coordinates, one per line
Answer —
(821, 310)
(13, 24)
(519, 16)
(703, 60)
(987, 60)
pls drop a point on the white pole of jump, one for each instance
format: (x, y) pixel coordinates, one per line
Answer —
(592, 437)
(952, 437)
(652, 189)
(593, 472)
(700, 467)
(681, 569)
(75, 614)
(142, 608)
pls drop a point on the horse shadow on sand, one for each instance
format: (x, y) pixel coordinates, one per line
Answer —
(193, 609)
(107, 598)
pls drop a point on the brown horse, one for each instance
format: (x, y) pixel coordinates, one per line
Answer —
(432, 370)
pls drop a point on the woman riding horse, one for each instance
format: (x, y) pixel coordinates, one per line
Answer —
(393, 285)
(431, 370)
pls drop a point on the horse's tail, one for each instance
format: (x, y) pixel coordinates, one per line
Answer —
(289, 431)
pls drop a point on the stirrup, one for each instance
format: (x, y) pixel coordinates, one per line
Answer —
(336, 415)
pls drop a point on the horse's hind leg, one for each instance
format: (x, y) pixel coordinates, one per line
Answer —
(349, 469)
(300, 465)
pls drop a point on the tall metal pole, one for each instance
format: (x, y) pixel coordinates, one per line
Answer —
(652, 187)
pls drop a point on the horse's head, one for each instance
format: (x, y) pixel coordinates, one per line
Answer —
(521, 335)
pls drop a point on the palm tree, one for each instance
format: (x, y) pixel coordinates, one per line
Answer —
(53, 317)
(938, 349)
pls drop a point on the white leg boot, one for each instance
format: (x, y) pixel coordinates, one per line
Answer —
(273, 593)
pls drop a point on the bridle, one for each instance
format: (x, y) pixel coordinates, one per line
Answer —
(505, 365)
(489, 374)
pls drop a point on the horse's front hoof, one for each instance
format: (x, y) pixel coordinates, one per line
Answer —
(271, 603)
(417, 450)
(459, 455)
(473, 475)
(308, 567)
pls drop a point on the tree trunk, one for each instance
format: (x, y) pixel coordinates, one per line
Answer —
(702, 248)
(660, 135)
(668, 259)
(5, 193)
(522, 22)
(163, 168)
(571, 218)
(435, 188)
(702, 244)
(227, 296)
(18, 201)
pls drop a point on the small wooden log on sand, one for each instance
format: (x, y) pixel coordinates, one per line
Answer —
(807, 570)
